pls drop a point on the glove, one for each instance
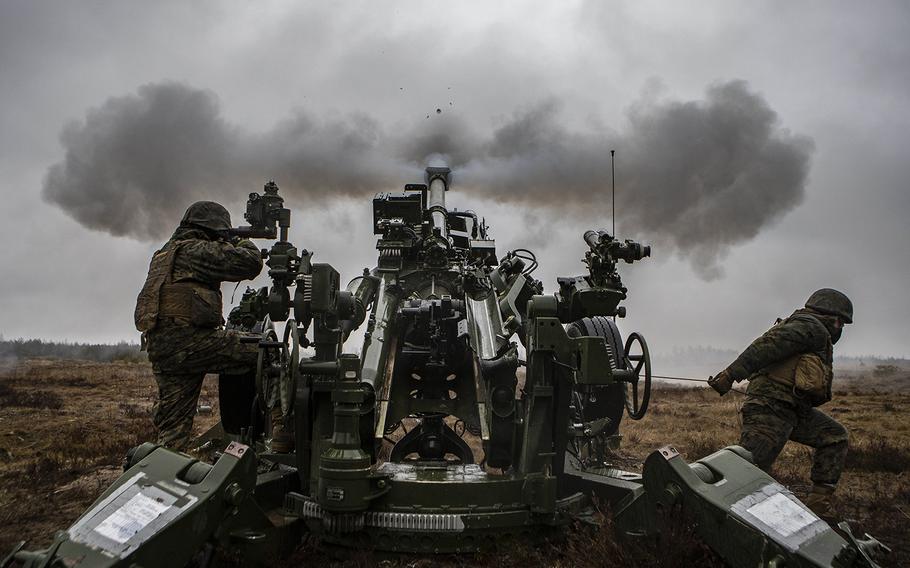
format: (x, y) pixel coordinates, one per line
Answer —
(721, 382)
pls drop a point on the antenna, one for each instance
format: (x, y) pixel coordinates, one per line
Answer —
(613, 175)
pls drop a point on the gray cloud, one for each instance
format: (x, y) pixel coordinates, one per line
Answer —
(139, 158)
(707, 175)
(698, 176)
(586, 61)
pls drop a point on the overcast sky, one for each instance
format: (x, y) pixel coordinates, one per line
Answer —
(762, 148)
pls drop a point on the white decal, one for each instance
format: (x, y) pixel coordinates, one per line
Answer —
(131, 518)
(782, 514)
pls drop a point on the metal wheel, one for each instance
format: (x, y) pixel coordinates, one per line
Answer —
(637, 359)
(270, 352)
(609, 401)
(290, 366)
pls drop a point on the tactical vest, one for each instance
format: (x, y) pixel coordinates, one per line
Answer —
(809, 375)
(190, 303)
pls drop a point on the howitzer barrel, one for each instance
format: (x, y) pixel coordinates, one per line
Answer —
(437, 197)
(438, 179)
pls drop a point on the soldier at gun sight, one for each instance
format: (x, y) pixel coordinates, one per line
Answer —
(789, 370)
(179, 312)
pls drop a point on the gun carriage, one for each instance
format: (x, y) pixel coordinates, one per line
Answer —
(436, 436)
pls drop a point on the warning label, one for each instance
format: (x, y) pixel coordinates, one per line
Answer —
(782, 514)
(131, 518)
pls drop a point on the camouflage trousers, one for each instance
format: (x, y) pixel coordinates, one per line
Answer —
(768, 424)
(181, 357)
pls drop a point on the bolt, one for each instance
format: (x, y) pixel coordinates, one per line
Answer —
(672, 493)
(234, 494)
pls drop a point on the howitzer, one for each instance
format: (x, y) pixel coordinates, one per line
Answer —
(437, 436)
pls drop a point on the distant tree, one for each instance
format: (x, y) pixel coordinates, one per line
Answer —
(37, 348)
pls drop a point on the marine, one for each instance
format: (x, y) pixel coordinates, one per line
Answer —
(790, 371)
(179, 312)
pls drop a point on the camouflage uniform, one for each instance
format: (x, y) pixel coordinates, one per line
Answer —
(775, 412)
(179, 313)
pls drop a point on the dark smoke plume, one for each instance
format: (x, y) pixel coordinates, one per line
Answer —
(139, 159)
(697, 176)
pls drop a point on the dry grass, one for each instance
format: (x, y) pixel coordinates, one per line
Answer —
(13, 397)
(65, 427)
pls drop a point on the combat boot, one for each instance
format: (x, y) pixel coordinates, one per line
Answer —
(282, 437)
(819, 499)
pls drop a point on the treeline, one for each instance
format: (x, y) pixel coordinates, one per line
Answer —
(704, 360)
(40, 349)
(697, 359)
(866, 362)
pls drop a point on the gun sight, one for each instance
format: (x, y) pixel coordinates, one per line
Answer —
(604, 245)
(266, 214)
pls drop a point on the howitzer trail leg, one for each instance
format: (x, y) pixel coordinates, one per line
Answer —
(739, 511)
(163, 511)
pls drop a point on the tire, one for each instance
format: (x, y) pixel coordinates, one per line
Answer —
(610, 401)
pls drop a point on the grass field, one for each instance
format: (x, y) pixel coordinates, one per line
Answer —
(66, 425)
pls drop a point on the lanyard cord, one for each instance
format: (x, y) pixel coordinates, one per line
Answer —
(691, 380)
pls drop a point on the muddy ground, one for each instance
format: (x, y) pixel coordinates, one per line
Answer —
(65, 426)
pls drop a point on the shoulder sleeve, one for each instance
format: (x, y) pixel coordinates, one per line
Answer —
(796, 335)
(217, 261)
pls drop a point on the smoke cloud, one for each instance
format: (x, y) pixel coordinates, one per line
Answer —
(696, 176)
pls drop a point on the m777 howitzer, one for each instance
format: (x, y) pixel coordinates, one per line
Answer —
(429, 440)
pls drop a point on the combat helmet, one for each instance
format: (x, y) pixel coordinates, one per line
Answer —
(208, 215)
(831, 302)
